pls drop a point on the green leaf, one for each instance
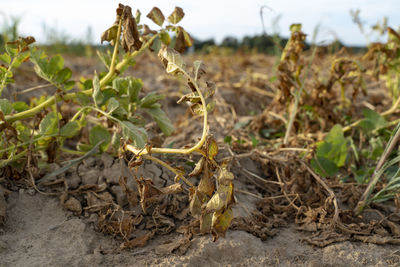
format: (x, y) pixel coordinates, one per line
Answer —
(5, 106)
(83, 99)
(112, 105)
(97, 94)
(134, 87)
(56, 64)
(228, 140)
(120, 85)
(150, 99)
(20, 58)
(69, 85)
(334, 146)
(20, 106)
(62, 76)
(372, 121)
(24, 133)
(49, 125)
(97, 134)
(12, 49)
(162, 120)
(156, 16)
(70, 129)
(324, 166)
(5, 58)
(176, 16)
(138, 135)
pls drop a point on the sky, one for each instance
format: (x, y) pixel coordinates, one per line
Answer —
(206, 18)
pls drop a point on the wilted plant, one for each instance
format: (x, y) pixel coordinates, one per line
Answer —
(115, 105)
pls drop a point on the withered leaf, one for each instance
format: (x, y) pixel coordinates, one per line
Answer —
(198, 168)
(139, 241)
(176, 16)
(210, 90)
(206, 185)
(221, 199)
(198, 69)
(183, 40)
(110, 34)
(225, 177)
(130, 35)
(156, 16)
(172, 60)
(212, 148)
(221, 223)
(189, 97)
(148, 193)
(172, 189)
(206, 223)
(196, 200)
(197, 109)
(147, 30)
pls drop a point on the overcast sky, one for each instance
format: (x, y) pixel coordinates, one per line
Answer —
(206, 18)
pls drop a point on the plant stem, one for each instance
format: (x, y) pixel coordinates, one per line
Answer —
(297, 96)
(3, 82)
(392, 110)
(196, 147)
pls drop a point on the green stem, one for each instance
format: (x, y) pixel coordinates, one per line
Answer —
(196, 147)
(3, 82)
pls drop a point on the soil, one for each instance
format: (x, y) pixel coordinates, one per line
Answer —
(38, 232)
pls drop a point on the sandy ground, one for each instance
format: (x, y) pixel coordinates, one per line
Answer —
(38, 232)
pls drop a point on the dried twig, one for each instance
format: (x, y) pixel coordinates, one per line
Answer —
(326, 187)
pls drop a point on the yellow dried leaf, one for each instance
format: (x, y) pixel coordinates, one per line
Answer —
(221, 223)
(221, 199)
(172, 189)
(156, 16)
(206, 184)
(199, 168)
(206, 223)
(212, 148)
(176, 16)
(225, 177)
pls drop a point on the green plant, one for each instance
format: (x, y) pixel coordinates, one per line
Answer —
(110, 107)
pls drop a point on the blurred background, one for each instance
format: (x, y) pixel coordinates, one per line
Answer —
(230, 23)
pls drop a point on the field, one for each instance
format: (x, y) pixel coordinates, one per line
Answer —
(146, 155)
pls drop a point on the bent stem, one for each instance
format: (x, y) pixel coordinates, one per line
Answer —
(196, 147)
(392, 110)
